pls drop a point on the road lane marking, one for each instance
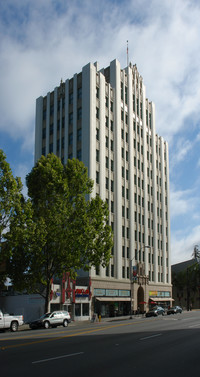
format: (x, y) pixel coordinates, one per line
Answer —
(194, 325)
(36, 341)
(151, 336)
(56, 358)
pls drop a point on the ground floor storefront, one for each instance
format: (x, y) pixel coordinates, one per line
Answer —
(88, 296)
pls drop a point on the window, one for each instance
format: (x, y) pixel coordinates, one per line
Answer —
(127, 269)
(111, 125)
(79, 113)
(107, 162)
(127, 252)
(85, 309)
(97, 133)
(123, 272)
(79, 93)
(77, 310)
(79, 134)
(79, 154)
(51, 110)
(70, 138)
(70, 118)
(51, 148)
(126, 94)
(123, 251)
(70, 98)
(112, 165)
(51, 129)
(97, 112)
(112, 270)
(111, 145)
(112, 186)
(97, 177)
(97, 155)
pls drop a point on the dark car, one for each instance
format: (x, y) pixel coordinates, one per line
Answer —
(174, 310)
(155, 311)
(53, 319)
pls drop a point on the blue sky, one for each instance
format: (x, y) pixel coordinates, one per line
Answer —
(42, 41)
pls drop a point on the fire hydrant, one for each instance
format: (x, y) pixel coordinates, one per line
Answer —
(99, 317)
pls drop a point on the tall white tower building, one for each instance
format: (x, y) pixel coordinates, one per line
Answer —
(103, 118)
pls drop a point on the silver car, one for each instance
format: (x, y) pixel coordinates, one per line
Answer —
(53, 319)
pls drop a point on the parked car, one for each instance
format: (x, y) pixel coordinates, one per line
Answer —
(174, 310)
(53, 319)
(11, 322)
(155, 311)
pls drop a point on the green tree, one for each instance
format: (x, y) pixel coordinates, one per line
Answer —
(10, 197)
(67, 231)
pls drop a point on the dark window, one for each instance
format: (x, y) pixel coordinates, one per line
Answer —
(79, 93)
(70, 138)
(70, 118)
(79, 134)
(79, 154)
(79, 113)
(70, 98)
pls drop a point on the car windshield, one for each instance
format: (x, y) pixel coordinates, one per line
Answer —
(46, 315)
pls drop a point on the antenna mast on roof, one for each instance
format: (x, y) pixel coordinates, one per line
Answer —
(127, 52)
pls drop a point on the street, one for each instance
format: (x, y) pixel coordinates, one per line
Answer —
(142, 346)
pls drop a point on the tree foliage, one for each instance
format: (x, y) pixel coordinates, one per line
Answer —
(188, 278)
(10, 200)
(58, 229)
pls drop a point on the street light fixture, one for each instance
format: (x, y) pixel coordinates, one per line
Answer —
(131, 276)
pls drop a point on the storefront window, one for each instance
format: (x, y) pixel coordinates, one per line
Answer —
(77, 310)
(85, 309)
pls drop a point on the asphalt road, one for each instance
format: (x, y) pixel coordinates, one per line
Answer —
(151, 347)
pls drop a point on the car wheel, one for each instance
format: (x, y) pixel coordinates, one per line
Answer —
(14, 326)
(65, 323)
(46, 324)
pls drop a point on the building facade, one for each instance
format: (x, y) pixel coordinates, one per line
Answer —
(103, 118)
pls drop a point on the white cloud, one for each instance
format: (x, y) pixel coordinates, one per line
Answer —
(182, 245)
(182, 202)
(165, 46)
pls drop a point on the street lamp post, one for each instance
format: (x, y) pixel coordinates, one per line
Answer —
(131, 277)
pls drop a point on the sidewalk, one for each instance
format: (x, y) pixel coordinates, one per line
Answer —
(25, 327)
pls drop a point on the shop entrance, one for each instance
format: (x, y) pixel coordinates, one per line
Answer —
(140, 300)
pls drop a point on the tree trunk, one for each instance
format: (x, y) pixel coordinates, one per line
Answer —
(47, 298)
